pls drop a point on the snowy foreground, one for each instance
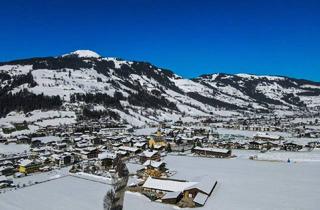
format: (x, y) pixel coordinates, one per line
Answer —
(64, 193)
(243, 184)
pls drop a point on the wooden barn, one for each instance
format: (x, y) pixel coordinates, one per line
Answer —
(215, 152)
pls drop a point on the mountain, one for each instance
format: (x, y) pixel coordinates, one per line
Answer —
(140, 92)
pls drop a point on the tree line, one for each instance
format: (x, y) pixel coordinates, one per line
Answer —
(26, 101)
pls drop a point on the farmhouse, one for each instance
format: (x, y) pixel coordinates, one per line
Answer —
(63, 159)
(23, 139)
(172, 191)
(89, 152)
(255, 145)
(6, 170)
(4, 182)
(292, 146)
(166, 185)
(267, 137)
(130, 150)
(107, 158)
(149, 155)
(151, 164)
(140, 145)
(215, 152)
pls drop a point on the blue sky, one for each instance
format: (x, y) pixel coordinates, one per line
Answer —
(277, 37)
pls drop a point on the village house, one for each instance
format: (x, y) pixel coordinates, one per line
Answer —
(114, 130)
(149, 155)
(63, 159)
(131, 150)
(172, 191)
(29, 166)
(271, 145)
(155, 165)
(5, 182)
(96, 141)
(201, 191)
(89, 152)
(214, 152)
(267, 137)
(60, 146)
(6, 170)
(44, 140)
(140, 145)
(117, 145)
(3, 140)
(107, 159)
(255, 145)
(292, 146)
(23, 139)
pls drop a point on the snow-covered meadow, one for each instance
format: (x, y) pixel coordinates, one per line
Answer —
(13, 148)
(245, 184)
(280, 156)
(64, 193)
(35, 120)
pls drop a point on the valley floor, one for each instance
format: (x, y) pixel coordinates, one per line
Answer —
(243, 184)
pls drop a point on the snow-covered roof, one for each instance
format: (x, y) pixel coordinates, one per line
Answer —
(267, 136)
(158, 146)
(121, 152)
(148, 154)
(47, 139)
(22, 137)
(167, 184)
(108, 155)
(129, 149)
(26, 162)
(204, 183)
(153, 163)
(92, 177)
(140, 144)
(200, 198)
(3, 178)
(212, 149)
(56, 156)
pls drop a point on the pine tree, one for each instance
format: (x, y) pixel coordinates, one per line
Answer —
(168, 149)
(109, 200)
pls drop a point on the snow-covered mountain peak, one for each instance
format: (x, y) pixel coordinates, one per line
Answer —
(144, 92)
(84, 54)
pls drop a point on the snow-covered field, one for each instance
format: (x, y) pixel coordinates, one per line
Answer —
(60, 194)
(245, 184)
(145, 131)
(248, 133)
(36, 119)
(13, 148)
(283, 156)
(35, 116)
